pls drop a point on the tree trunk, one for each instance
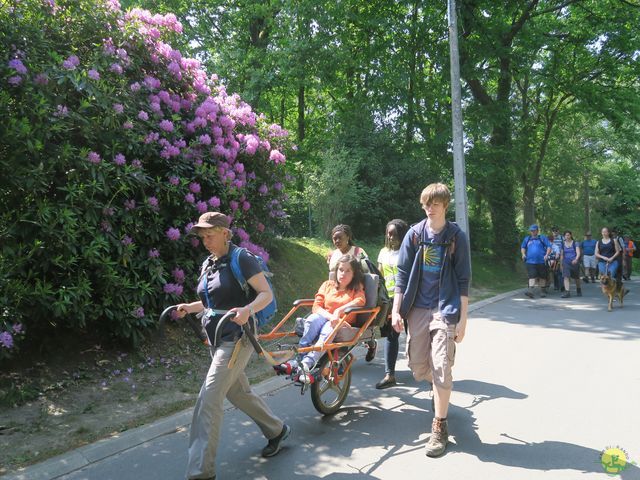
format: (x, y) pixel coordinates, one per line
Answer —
(301, 117)
(586, 192)
(411, 116)
(529, 204)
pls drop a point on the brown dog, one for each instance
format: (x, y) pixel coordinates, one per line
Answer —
(612, 290)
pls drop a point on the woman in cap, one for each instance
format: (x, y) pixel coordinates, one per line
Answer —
(219, 290)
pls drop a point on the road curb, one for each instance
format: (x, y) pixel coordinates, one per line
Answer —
(77, 459)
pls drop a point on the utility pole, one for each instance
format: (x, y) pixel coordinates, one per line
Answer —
(460, 178)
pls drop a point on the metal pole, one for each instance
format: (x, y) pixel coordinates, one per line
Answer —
(456, 120)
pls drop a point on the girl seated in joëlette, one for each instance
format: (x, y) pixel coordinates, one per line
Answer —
(331, 300)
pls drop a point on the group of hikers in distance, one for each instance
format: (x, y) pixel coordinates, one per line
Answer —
(426, 269)
(560, 258)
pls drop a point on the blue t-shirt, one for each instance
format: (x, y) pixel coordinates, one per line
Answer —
(589, 247)
(429, 292)
(535, 248)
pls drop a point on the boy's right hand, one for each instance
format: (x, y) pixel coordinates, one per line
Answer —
(396, 322)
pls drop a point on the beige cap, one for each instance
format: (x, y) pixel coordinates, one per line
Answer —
(212, 219)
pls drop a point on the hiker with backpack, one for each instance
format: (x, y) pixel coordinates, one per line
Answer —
(535, 250)
(570, 261)
(218, 290)
(342, 239)
(395, 231)
(432, 294)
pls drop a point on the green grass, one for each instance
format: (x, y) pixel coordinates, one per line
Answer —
(299, 266)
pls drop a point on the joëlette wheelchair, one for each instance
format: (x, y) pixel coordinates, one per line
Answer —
(331, 376)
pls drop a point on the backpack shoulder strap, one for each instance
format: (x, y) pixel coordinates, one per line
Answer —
(236, 270)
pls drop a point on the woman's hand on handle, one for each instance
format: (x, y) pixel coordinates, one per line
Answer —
(184, 308)
(242, 315)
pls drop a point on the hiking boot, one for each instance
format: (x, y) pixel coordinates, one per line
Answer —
(439, 438)
(585, 279)
(389, 380)
(372, 346)
(286, 368)
(274, 445)
(528, 293)
(566, 294)
(579, 292)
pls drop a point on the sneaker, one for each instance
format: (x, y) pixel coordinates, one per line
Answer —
(585, 279)
(528, 294)
(286, 368)
(372, 346)
(543, 294)
(439, 438)
(303, 376)
(389, 380)
(579, 292)
(565, 295)
(275, 444)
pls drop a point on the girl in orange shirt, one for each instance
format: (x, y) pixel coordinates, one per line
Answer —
(332, 299)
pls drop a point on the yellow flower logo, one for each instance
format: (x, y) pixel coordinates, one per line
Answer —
(614, 460)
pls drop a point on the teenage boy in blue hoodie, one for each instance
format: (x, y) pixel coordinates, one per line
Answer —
(432, 294)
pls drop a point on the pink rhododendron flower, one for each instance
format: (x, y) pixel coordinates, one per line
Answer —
(105, 226)
(18, 66)
(61, 111)
(153, 253)
(205, 139)
(136, 163)
(135, 87)
(118, 107)
(119, 159)
(6, 340)
(173, 234)
(202, 206)
(195, 242)
(127, 240)
(214, 202)
(138, 312)
(178, 275)
(116, 68)
(127, 125)
(15, 80)
(260, 227)
(233, 205)
(166, 125)
(93, 157)
(246, 205)
(174, 180)
(262, 190)
(142, 115)
(71, 63)
(129, 204)
(195, 187)
(93, 74)
(276, 157)
(278, 186)
(41, 79)
(189, 198)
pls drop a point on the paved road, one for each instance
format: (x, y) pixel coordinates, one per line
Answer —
(542, 388)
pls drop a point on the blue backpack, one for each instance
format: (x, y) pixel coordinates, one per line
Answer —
(265, 315)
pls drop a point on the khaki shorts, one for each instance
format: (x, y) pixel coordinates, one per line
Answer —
(431, 347)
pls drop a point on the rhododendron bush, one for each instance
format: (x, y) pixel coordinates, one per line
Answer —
(111, 143)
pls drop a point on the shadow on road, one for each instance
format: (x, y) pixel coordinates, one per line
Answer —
(587, 314)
